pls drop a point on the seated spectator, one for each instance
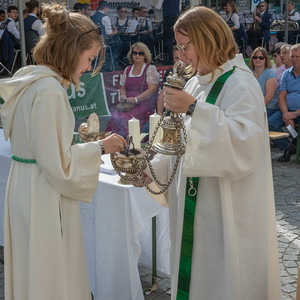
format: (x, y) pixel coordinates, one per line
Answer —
(110, 35)
(261, 27)
(86, 9)
(10, 37)
(293, 15)
(121, 24)
(260, 64)
(145, 29)
(233, 21)
(285, 51)
(32, 22)
(25, 13)
(2, 23)
(77, 7)
(289, 104)
(134, 13)
(279, 65)
(177, 56)
(138, 92)
(2, 17)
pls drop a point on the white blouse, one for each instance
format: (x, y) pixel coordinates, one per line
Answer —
(152, 75)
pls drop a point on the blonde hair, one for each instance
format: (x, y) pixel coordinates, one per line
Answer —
(142, 47)
(212, 38)
(67, 36)
(265, 55)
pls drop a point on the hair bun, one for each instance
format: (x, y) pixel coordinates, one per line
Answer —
(57, 18)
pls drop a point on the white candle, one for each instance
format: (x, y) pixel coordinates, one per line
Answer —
(134, 131)
(153, 120)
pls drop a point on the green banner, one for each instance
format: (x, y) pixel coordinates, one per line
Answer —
(89, 98)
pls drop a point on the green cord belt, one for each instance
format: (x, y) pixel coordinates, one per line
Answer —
(23, 160)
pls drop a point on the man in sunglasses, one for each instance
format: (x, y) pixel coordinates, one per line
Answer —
(289, 104)
(261, 27)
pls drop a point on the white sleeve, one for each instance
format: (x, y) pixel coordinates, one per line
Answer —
(123, 79)
(38, 26)
(236, 21)
(225, 140)
(158, 4)
(295, 17)
(107, 24)
(152, 75)
(11, 27)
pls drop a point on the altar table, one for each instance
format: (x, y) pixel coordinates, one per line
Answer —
(116, 231)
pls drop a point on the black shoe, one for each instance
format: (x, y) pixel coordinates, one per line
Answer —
(287, 153)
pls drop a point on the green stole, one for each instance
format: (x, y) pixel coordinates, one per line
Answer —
(185, 264)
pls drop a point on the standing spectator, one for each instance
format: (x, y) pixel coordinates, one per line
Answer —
(233, 22)
(44, 251)
(289, 104)
(260, 64)
(32, 23)
(261, 26)
(10, 37)
(171, 10)
(293, 15)
(110, 34)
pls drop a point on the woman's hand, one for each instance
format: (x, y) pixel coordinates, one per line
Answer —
(113, 143)
(131, 99)
(177, 101)
(147, 179)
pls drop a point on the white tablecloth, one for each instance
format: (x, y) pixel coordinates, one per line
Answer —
(116, 231)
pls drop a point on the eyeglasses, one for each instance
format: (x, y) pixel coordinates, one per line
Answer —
(258, 57)
(285, 52)
(140, 53)
(183, 47)
(261, 5)
(123, 11)
(95, 28)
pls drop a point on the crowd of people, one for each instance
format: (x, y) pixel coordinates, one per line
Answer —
(222, 209)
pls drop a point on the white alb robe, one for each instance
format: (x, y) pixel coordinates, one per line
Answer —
(235, 255)
(43, 247)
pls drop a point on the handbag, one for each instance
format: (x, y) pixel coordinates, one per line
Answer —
(126, 106)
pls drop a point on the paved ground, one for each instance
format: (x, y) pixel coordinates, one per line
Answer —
(287, 197)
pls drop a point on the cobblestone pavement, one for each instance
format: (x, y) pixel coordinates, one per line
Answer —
(287, 198)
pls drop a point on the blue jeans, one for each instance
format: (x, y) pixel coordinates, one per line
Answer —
(275, 123)
(271, 111)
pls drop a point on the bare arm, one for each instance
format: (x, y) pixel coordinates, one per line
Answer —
(287, 116)
(144, 95)
(160, 103)
(270, 89)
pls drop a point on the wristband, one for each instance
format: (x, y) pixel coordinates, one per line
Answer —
(136, 100)
(102, 147)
